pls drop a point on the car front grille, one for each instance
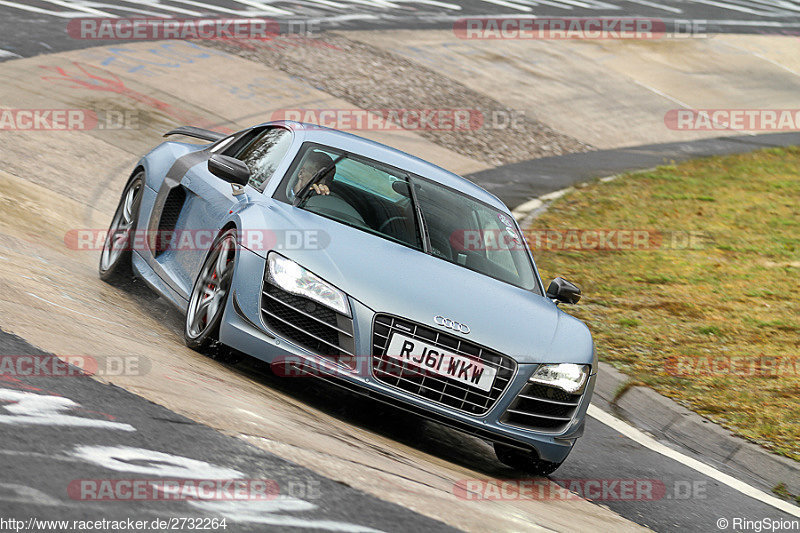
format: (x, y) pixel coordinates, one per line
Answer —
(542, 408)
(309, 324)
(440, 389)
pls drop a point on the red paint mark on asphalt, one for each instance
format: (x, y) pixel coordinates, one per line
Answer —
(84, 76)
(14, 382)
(101, 413)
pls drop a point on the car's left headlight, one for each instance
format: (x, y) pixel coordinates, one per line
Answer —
(295, 279)
(568, 377)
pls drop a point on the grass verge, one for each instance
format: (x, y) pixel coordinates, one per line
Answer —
(705, 306)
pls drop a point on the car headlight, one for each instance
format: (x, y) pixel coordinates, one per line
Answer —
(295, 279)
(566, 376)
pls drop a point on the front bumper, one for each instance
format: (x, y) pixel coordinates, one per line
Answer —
(243, 329)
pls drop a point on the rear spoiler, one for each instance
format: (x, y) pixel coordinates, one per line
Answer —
(198, 133)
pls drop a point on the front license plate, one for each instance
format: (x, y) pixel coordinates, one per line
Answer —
(433, 359)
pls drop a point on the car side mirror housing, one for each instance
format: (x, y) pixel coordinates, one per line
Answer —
(229, 169)
(563, 291)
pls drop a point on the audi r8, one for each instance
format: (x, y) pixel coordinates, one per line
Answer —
(312, 248)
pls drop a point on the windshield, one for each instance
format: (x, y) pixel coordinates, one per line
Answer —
(471, 234)
(378, 199)
(355, 192)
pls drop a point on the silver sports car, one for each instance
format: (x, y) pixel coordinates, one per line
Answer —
(324, 253)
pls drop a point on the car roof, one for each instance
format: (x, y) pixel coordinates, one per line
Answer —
(391, 156)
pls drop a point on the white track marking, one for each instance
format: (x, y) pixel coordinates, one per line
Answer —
(590, 4)
(782, 4)
(156, 4)
(328, 3)
(550, 3)
(344, 18)
(672, 98)
(371, 3)
(132, 10)
(663, 94)
(512, 5)
(524, 208)
(6, 53)
(265, 512)
(78, 7)
(753, 23)
(40, 456)
(153, 463)
(657, 6)
(383, 4)
(445, 5)
(761, 57)
(735, 7)
(650, 443)
(28, 408)
(271, 11)
(150, 462)
(264, 7)
(32, 9)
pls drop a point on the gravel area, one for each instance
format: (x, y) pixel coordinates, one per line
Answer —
(374, 79)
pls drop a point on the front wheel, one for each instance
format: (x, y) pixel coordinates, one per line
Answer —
(116, 257)
(527, 462)
(210, 293)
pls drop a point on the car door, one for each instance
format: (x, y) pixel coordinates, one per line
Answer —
(210, 200)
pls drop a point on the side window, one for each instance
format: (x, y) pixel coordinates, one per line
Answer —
(263, 154)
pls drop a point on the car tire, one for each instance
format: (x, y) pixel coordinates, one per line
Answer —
(210, 293)
(524, 461)
(116, 258)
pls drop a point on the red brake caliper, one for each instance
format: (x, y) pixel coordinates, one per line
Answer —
(211, 286)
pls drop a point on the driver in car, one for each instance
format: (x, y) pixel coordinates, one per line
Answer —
(315, 162)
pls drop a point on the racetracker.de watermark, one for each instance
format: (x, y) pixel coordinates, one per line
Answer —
(51, 366)
(630, 490)
(722, 365)
(387, 119)
(422, 363)
(68, 119)
(173, 489)
(196, 240)
(124, 29)
(595, 239)
(733, 119)
(590, 28)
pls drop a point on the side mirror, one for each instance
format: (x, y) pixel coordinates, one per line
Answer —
(229, 169)
(563, 291)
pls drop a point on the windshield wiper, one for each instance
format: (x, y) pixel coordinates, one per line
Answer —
(303, 193)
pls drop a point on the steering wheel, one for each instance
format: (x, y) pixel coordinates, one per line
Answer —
(389, 221)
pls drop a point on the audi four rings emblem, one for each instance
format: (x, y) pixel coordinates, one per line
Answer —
(451, 324)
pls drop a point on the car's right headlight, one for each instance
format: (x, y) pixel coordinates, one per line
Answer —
(568, 377)
(295, 279)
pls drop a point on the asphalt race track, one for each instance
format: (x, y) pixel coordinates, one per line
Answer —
(57, 431)
(135, 436)
(36, 27)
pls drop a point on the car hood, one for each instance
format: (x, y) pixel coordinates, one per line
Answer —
(390, 278)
